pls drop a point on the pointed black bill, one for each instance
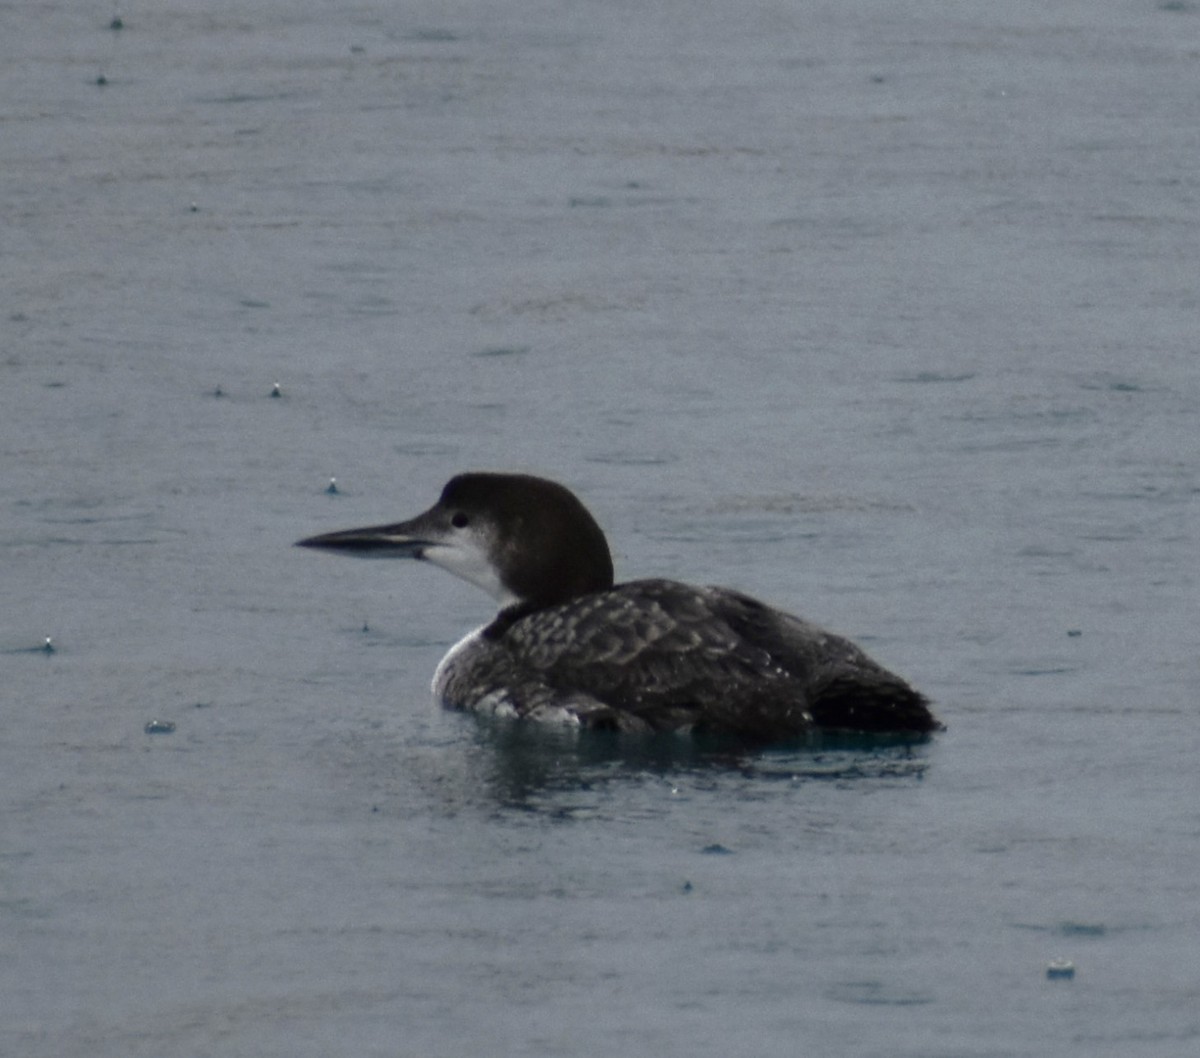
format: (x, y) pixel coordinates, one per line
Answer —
(379, 541)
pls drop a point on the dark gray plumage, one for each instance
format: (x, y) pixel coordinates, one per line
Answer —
(647, 655)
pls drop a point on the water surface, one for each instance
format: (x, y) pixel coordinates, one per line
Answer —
(885, 317)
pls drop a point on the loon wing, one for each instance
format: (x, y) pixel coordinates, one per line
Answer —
(844, 687)
(660, 655)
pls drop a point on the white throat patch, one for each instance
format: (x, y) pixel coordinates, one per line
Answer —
(467, 559)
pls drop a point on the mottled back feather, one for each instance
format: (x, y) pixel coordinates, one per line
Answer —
(657, 655)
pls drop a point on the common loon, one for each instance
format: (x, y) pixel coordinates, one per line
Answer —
(645, 655)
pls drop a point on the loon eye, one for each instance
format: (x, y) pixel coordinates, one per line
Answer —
(459, 520)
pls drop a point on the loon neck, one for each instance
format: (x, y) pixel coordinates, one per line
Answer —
(508, 617)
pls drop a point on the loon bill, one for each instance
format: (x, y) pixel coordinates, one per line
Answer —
(647, 655)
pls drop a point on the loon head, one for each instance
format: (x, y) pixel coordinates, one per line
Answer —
(526, 541)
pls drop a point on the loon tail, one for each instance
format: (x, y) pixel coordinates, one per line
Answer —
(854, 703)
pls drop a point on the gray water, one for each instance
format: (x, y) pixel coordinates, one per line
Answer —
(883, 311)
